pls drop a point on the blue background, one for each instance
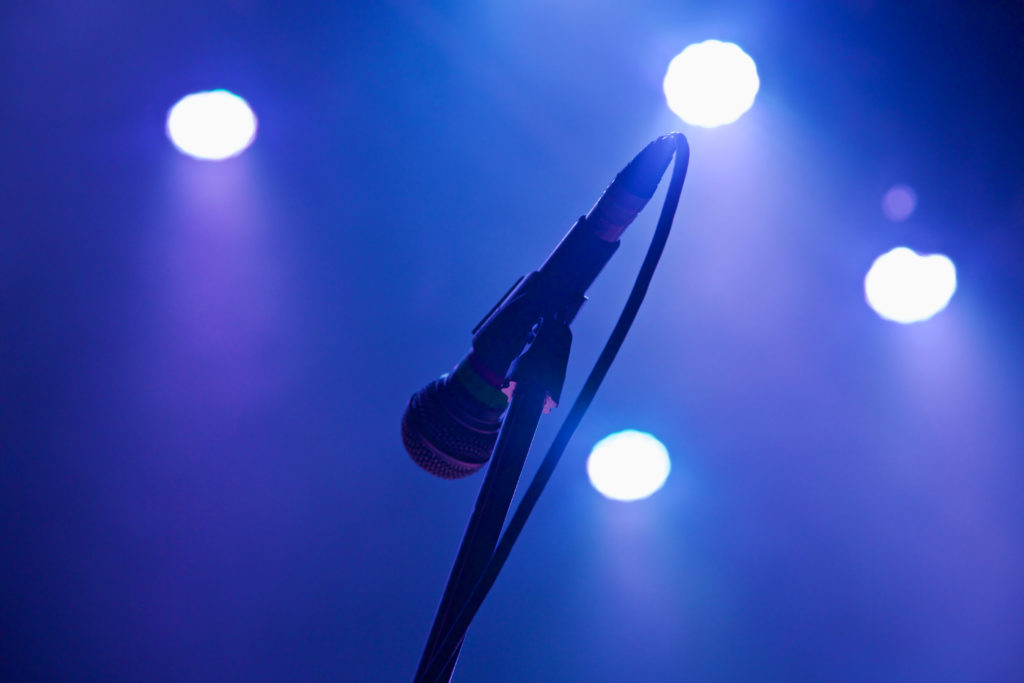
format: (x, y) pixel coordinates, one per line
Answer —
(203, 366)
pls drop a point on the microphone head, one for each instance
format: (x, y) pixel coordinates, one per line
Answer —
(446, 431)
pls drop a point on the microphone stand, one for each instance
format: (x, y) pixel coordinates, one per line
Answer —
(540, 307)
(535, 378)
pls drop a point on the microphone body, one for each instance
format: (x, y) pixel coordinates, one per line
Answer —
(450, 426)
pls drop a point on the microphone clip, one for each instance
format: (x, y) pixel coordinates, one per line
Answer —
(554, 292)
(543, 361)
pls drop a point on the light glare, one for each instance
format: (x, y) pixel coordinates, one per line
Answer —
(211, 125)
(907, 287)
(711, 83)
(628, 465)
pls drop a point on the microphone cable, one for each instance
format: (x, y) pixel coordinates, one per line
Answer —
(457, 632)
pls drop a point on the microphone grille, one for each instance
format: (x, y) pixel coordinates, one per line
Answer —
(438, 440)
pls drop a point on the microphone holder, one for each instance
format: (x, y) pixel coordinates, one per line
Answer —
(534, 380)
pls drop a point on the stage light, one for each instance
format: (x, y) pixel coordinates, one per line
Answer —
(711, 83)
(908, 287)
(211, 125)
(628, 465)
(899, 202)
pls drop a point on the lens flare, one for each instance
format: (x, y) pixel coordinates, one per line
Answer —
(908, 287)
(711, 84)
(212, 125)
(628, 465)
(899, 202)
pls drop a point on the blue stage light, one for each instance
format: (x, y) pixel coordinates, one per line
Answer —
(711, 83)
(908, 287)
(211, 125)
(628, 465)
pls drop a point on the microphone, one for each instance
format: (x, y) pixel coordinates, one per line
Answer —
(450, 426)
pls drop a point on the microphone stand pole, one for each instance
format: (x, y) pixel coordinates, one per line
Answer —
(534, 377)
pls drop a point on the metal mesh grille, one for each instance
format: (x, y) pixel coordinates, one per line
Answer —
(438, 441)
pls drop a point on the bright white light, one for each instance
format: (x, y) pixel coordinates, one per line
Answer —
(711, 83)
(899, 202)
(908, 287)
(211, 125)
(628, 465)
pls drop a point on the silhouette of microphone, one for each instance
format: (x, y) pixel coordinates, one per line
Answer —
(450, 426)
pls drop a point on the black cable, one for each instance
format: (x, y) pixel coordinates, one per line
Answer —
(636, 296)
